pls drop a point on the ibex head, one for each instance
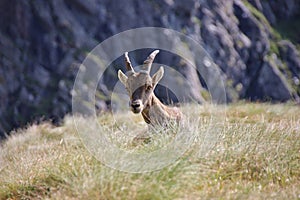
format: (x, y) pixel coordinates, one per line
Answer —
(140, 85)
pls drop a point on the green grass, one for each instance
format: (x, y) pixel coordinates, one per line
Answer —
(255, 156)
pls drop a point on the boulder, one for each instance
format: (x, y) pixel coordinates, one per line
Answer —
(269, 84)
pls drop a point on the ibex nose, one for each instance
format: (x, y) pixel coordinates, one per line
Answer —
(135, 104)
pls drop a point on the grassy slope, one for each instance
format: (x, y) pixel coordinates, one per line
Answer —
(257, 156)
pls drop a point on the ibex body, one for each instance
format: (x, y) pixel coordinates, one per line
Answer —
(140, 87)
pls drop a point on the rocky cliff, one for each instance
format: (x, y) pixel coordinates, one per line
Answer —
(42, 43)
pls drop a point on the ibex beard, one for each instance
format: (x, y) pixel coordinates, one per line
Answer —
(140, 87)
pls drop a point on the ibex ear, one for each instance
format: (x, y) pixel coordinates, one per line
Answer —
(122, 77)
(157, 76)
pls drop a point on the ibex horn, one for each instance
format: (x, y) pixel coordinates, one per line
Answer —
(148, 62)
(128, 63)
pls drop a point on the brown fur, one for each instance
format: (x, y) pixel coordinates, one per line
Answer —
(156, 112)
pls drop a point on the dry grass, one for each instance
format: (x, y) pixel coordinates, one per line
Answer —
(255, 156)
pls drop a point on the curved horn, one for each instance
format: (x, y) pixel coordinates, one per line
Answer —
(128, 63)
(148, 62)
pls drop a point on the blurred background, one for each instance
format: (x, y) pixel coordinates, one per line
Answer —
(255, 44)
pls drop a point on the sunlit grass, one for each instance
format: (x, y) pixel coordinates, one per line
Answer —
(255, 155)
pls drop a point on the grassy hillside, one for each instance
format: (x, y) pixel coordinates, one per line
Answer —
(256, 156)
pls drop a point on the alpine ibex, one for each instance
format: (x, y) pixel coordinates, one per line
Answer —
(140, 87)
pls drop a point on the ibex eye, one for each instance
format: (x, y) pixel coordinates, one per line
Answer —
(149, 87)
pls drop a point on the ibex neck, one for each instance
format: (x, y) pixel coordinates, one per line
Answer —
(155, 111)
(154, 101)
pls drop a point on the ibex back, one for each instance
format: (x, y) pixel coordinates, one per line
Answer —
(140, 87)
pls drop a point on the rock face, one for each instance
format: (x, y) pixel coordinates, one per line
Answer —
(276, 11)
(43, 43)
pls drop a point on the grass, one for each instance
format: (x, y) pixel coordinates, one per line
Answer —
(255, 156)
